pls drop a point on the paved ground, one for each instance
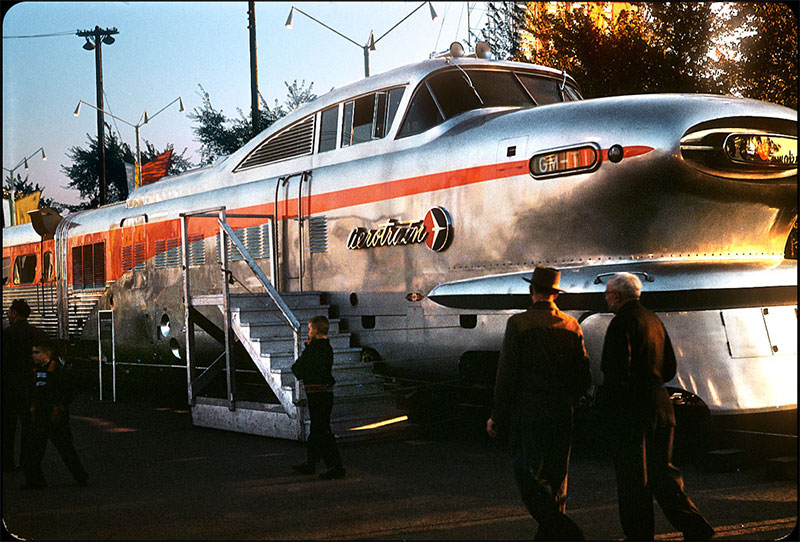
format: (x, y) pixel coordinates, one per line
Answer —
(156, 477)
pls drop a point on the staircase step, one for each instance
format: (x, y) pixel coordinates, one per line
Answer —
(293, 300)
(343, 373)
(341, 356)
(286, 344)
(280, 329)
(267, 316)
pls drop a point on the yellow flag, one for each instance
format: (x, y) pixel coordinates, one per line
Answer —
(25, 204)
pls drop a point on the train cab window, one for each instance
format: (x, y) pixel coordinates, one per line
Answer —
(422, 114)
(47, 267)
(386, 104)
(6, 271)
(458, 91)
(571, 94)
(25, 269)
(327, 133)
(544, 91)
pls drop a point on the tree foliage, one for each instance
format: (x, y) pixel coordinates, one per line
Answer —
(504, 23)
(657, 46)
(219, 136)
(764, 62)
(650, 47)
(83, 172)
(24, 187)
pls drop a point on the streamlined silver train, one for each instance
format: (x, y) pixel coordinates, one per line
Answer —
(417, 199)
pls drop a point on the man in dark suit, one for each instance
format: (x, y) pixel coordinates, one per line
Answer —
(637, 361)
(543, 369)
(18, 340)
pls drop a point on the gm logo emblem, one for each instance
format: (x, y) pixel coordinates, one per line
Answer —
(439, 229)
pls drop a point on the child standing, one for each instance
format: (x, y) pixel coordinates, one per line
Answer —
(48, 418)
(313, 367)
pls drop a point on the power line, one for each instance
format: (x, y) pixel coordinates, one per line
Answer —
(67, 33)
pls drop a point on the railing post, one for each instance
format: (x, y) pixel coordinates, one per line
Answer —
(187, 304)
(229, 362)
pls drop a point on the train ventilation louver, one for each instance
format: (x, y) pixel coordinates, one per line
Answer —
(295, 141)
(751, 149)
(255, 240)
(318, 234)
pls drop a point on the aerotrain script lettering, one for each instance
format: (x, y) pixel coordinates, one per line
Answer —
(390, 234)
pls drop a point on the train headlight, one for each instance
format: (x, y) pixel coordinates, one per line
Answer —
(761, 150)
(564, 161)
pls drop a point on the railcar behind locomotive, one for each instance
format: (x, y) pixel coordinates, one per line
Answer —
(417, 199)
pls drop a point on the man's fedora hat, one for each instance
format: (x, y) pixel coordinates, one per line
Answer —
(545, 279)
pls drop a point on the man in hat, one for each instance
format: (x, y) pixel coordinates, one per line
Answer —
(638, 359)
(543, 369)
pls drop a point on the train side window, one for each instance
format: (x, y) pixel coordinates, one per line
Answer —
(379, 119)
(89, 266)
(423, 114)
(386, 104)
(327, 134)
(358, 118)
(47, 267)
(395, 95)
(6, 270)
(25, 269)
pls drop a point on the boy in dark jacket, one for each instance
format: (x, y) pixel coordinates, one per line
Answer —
(313, 367)
(48, 418)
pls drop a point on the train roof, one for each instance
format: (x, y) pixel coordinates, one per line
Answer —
(409, 75)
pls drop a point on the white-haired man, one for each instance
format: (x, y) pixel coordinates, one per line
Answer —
(637, 361)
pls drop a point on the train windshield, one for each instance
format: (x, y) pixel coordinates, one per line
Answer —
(450, 93)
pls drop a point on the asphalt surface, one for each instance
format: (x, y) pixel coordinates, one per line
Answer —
(153, 476)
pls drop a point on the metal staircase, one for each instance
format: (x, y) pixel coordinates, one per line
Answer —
(270, 326)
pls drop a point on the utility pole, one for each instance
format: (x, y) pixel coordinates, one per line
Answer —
(99, 36)
(253, 66)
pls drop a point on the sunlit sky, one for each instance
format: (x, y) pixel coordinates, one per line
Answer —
(166, 49)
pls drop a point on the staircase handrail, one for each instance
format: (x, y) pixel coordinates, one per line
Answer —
(284, 309)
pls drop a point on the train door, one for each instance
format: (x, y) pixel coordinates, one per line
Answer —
(292, 195)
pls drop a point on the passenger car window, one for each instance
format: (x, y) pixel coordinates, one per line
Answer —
(327, 134)
(47, 266)
(6, 270)
(25, 269)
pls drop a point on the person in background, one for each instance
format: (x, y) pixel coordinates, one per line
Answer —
(637, 361)
(18, 339)
(48, 418)
(542, 371)
(313, 367)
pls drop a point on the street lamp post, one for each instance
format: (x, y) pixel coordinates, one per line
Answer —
(370, 45)
(11, 191)
(144, 119)
(99, 37)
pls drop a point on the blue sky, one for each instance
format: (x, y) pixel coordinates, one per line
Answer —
(166, 49)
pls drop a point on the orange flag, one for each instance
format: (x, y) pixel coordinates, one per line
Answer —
(155, 169)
